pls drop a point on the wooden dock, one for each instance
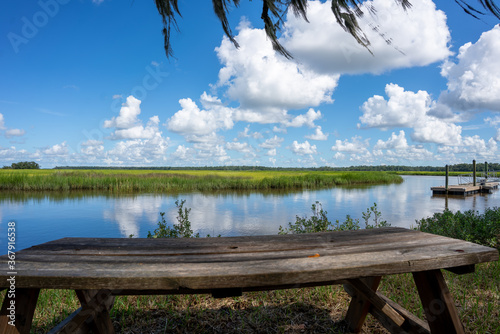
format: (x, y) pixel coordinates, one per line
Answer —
(466, 189)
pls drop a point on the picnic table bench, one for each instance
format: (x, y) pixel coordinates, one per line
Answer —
(100, 268)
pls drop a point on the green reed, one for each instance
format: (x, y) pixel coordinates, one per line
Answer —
(144, 181)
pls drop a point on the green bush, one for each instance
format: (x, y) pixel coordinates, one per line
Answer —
(23, 165)
(180, 230)
(319, 222)
(377, 217)
(470, 226)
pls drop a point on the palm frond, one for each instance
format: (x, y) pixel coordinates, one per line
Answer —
(346, 13)
(488, 5)
(299, 8)
(168, 9)
(271, 28)
(221, 9)
(491, 6)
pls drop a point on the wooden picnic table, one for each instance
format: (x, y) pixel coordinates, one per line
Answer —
(100, 268)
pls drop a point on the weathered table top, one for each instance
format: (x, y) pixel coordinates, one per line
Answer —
(236, 262)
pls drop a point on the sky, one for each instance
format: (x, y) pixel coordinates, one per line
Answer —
(87, 83)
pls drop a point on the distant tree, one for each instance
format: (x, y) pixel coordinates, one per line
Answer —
(25, 165)
(273, 13)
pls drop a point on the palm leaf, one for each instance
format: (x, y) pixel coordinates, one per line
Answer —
(346, 13)
(168, 9)
(221, 9)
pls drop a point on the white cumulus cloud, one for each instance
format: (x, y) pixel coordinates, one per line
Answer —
(411, 110)
(474, 82)
(128, 115)
(266, 84)
(239, 147)
(9, 133)
(419, 37)
(434, 130)
(128, 125)
(191, 120)
(356, 145)
(138, 151)
(92, 148)
(304, 119)
(272, 142)
(471, 147)
(14, 133)
(318, 134)
(57, 150)
(303, 148)
(404, 108)
(394, 142)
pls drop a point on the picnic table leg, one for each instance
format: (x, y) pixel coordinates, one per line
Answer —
(101, 322)
(93, 315)
(360, 306)
(438, 303)
(25, 304)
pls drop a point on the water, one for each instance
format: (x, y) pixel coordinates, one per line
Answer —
(43, 217)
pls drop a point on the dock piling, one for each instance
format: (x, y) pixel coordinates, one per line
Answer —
(446, 182)
(469, 188)
(474, 173)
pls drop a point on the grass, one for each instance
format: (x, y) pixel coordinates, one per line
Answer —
(307, 310)
(168, 181)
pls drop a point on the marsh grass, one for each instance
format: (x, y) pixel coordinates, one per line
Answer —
(168, 181)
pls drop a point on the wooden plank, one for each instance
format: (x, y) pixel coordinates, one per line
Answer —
(412, 324)
(413, 244)
(241, 253)
(25, 304)
(359, 305)
(343, 255)
(373, 300)
(186, 291)
(134, 274)
(83, 329)
(404, 246)
(468, 269)
(438, 303)
(198, 246)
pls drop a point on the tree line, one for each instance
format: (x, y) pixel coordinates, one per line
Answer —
(23, 165)
(386, 168)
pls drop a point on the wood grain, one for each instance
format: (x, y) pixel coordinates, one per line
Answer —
(237, 262)
(438, 303)
(25, 304)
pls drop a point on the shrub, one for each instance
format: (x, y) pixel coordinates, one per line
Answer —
(319, 222)
(470, 226)
(25, 165)
(378, 222)
(180, 230)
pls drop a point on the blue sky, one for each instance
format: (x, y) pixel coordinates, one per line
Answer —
(87, 83)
